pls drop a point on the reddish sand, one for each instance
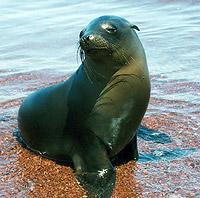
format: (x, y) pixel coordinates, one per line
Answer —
(23, 174)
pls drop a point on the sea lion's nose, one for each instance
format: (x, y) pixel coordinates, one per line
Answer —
(88, 37)
(86, 40)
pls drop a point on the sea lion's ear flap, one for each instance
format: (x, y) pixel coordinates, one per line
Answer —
(135, 27)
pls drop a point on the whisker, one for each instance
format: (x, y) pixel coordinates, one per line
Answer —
(77, 53)
(121, 53)
(82, 55)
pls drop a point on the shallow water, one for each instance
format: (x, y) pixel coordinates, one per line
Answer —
(38, 47)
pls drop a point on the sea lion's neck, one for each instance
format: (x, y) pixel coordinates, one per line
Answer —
(122, 61)
(137, 60)
(99, 70)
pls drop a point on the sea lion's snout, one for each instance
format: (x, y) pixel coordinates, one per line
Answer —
(86, 39)
(90, 43)
(89, 37)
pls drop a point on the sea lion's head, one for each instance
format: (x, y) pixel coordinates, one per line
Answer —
(109, 37)
(109, 42)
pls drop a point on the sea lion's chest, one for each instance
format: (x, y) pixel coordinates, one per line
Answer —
(82, 96)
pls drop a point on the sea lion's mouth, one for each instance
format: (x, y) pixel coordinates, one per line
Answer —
(95, 50)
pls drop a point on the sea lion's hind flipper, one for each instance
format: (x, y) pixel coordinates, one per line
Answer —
(16, 133)
(94, 170)
(130, 152)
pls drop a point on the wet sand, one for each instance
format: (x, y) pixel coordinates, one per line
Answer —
(164, 170)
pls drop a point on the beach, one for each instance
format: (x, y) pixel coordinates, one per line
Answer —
(38, 48)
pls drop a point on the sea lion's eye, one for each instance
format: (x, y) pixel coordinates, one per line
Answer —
(109, 28)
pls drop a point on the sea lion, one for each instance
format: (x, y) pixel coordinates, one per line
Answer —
(94, 115)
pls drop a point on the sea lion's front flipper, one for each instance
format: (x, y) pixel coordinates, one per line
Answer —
(94, 170)
(118, 112)
(98, 184)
